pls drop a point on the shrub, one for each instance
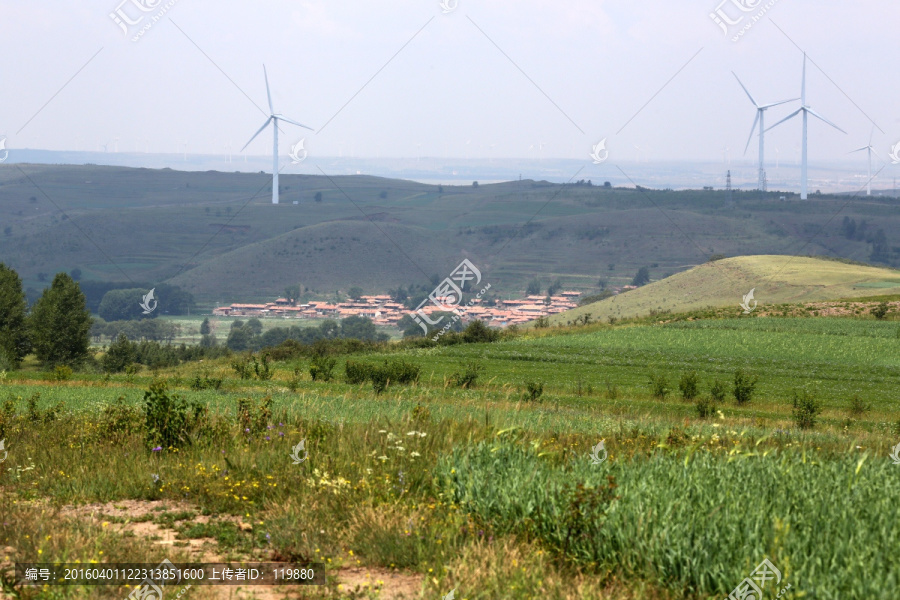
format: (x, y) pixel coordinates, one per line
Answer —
(689, 385)
(393, 371)
(253, 417)
(612, 391)
(118, 421)
(744, 384)
(806, 409)
(205, 383)
(119, 355)
(420, 414)
(169, 420)
(35, 415)
(857, 407)
(294, 380)
(880, 311)
(468, 377)
(717, 391)
(261, 368)
(357, 372)
(477, 331)
(533, 390)
(7, 414)
(659, 386)
(62, 373)
(706, 407)
(322, 367)
(243, 368)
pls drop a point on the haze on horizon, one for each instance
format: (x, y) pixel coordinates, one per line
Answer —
(487, 79)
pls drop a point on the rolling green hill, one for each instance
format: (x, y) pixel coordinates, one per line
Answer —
(775, 279)
(217, 235)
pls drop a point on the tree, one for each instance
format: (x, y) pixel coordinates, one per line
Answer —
(642, 277)
(119, 355)
(75, 274)
(60, 323)
(254, 325)
(318, 196)
(355, 293)
(122, 305)
(204, 327)
(239, 339)
(360, 328)
(534, 288)
(14, 342)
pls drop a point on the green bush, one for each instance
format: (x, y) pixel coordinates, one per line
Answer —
(205, 382)
(468, 377)
(35, 415)
(659, 386)
(744, 384)
(357, 372)
(62, 373)
(689, 385)
(119, 355)
(718, 390)
(477, 332)
(118, 421)
(706, 407)
(806, 409)
(533, 390)
(880, 311)
(857, 407)
(612, 391)
(169, 419)
(322, 367)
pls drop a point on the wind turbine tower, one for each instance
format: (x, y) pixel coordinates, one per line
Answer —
(761, 119)
(870, 149)
(806, 110)
(274, 118)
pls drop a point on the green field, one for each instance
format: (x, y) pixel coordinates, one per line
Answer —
(483, 489)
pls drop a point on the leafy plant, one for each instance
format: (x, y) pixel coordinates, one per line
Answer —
(659, 386)
(357, 372)
(717, 391)
(744, 384)
(322, 367)
(533, 390)
(858, 407)
(62, 373)
(806, 409)
(118, 421)
(253, 416)
(880, 311)
(706, 407)
(612, 391)
(689, 385)
(169, 419)
(206, 382)
(468, 377)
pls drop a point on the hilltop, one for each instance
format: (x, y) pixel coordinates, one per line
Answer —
(217, 235)
(775, 280)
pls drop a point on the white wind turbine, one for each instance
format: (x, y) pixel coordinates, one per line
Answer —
(274, 119)
(806, 110)
(761, 119)
(871, 149)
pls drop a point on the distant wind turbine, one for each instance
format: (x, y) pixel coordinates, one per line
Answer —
(274, 119)
(761, 119)
(871, 149)
(806, 110)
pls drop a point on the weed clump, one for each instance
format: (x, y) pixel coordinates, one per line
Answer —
(689, 385)
(806, 409)
(533, 390)
(659, 386)
(468, 377)
(744, 385)
(169, 419)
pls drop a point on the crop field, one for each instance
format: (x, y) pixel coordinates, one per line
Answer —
(487, 487)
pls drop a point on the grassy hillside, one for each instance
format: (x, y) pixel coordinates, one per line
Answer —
(776, 280)
(218, 234)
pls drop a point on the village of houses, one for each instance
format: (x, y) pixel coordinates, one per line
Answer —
(383, 311)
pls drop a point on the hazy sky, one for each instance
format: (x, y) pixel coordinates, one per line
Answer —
(575, 72)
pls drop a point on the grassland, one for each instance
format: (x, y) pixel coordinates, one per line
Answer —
(217, 235)
(481, 489)
(776, 280)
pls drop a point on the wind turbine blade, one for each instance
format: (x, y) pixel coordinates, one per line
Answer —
(790, 116)
(268, 93)
(818, 116)
(266, 124)
(286, 120)
(875, 152)
(859, 150)
(871, 135)
(745, 90)
(752, 129)
(777, 103)
(803, 84)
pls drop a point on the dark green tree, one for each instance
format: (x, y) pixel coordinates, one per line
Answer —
(14, 342)
(642, 277)
(255, 326)
(204, 327)
(122, 305)
(355, 293)
(60, 323)
(119, 355)
(534, 288)
(360, 328)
